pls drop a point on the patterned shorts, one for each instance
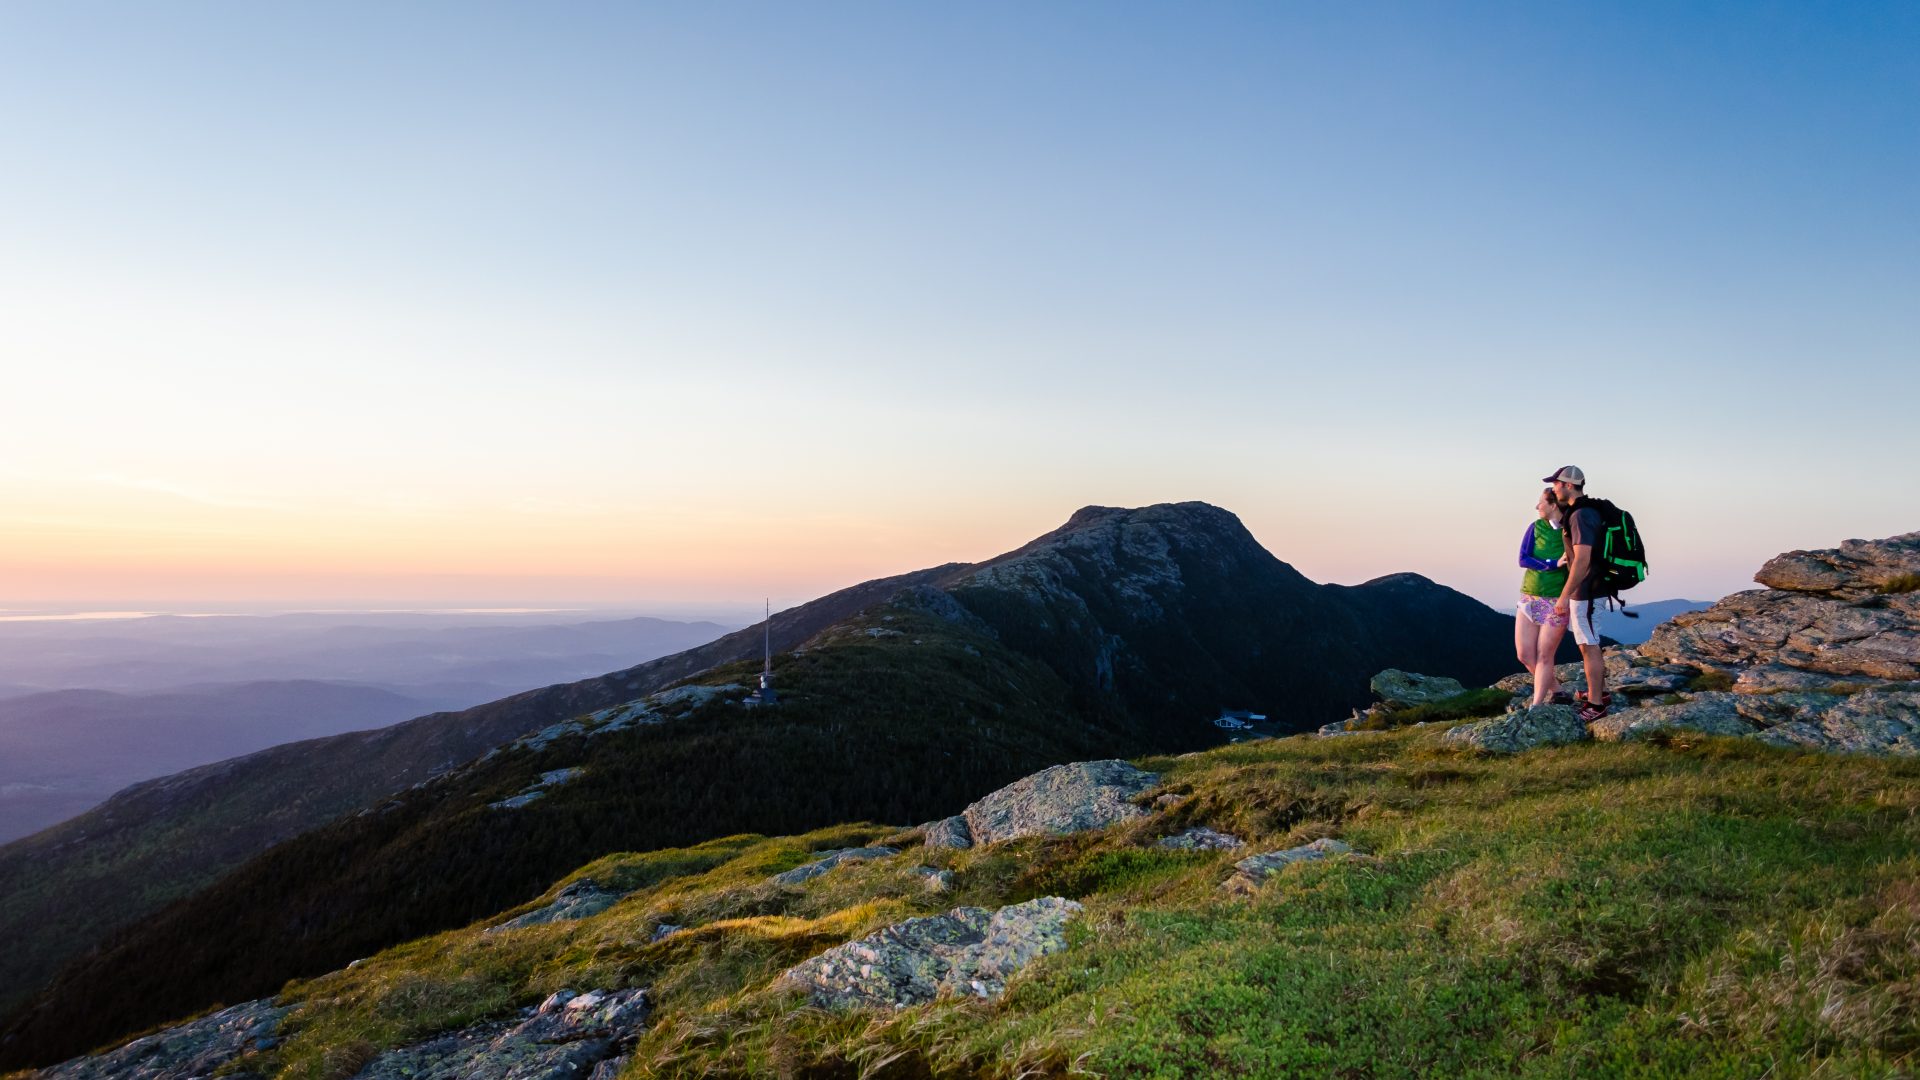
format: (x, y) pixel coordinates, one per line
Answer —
(1539, 610)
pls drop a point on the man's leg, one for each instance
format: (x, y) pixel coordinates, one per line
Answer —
(1596, 665)
(1591, 658)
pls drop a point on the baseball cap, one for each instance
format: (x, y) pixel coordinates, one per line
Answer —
(1570, 473)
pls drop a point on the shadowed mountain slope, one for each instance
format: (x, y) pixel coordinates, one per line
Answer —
(1125, 631)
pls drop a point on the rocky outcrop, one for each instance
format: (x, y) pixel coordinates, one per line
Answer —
(1253, 871)
(1710, 714)
(1628, 672)
(1873, 638)
(1401, 688)
(580, 900)
(814, 869)
(1819, 660)
(969, 951)
(1855, 570)
(568, 1035)
(1870, 722)
(1063, 799)
(1522, 729)
(1851, 612)
(193, 1049)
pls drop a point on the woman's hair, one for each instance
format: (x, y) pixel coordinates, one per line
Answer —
(1554, 502)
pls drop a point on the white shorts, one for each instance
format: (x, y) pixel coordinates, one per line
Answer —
(1583, 631)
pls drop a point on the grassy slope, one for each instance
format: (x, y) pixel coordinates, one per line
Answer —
(1700, 908)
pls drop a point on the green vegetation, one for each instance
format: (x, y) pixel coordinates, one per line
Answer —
(1703, 907)
(1486, 701)
(1711, 680)
(1900, 583)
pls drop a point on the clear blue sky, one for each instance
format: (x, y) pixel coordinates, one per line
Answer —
(630, 301)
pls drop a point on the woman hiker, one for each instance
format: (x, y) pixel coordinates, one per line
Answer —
(1537, 628)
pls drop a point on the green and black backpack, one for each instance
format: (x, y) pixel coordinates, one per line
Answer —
(1620, 556)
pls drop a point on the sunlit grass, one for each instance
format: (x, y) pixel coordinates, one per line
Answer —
(1705, 907)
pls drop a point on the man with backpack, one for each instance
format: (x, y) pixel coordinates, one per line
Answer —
(1584, 531)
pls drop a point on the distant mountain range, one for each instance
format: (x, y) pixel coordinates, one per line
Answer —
(66, 750)
(1124, 631)
(411, 654)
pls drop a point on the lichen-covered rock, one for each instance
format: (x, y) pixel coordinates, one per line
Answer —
(1712, 713)
(1523, 729)
(579, 900)
(947, 833)
(1871, 722)
(1397, 687)
(177, 1053)
(1772, 710)
(1251, 872)
(832, 859)
(1063, 799)
(1201, 838)
(567, 1035)
(1855, 569)
(968, 951)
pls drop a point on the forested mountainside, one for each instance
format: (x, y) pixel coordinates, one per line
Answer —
(64, 888)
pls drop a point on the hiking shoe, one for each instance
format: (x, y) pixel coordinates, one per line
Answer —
(1562, 698)
(1589, 712)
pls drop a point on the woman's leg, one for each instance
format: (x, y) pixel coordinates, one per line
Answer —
(1545, 684)
(1524, 635)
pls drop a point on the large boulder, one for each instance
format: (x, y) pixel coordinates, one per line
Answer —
(1063, 799)
(567, 1035)
(969, 951)
(1523, 729)
(177, 1053)
(1404, 688)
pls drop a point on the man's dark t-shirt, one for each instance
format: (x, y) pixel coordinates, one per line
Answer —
(1584, 527)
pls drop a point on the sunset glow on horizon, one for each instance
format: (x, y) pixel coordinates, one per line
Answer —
(642, 305)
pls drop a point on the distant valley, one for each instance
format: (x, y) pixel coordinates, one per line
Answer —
(89, 707)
